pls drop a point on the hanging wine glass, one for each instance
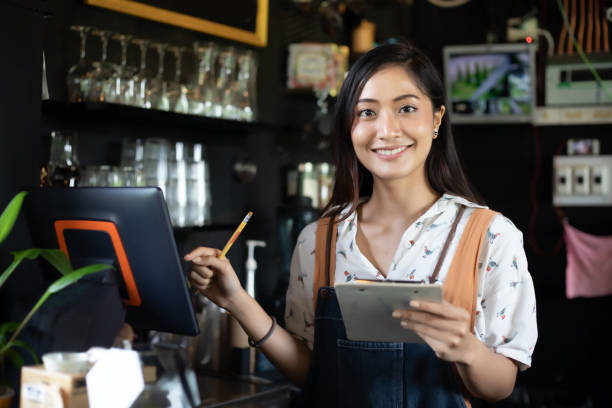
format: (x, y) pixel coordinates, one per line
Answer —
(226, 106)
(159, 87)
(243, 89)
(103, 74)
(79, 75)
(177, 89)
(203, 93)
(142, 77)
(123, 85)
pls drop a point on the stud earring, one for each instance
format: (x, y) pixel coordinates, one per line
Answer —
(435, 134)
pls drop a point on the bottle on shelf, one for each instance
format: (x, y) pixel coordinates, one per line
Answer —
(64, 168)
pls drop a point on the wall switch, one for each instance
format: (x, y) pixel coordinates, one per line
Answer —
(582, 180)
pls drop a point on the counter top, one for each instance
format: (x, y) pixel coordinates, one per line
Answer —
(218, 390)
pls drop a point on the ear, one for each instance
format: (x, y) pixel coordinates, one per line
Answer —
(438, 115)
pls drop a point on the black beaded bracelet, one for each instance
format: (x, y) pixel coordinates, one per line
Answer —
(264, 338)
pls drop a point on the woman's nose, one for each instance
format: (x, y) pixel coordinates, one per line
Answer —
(388, 125)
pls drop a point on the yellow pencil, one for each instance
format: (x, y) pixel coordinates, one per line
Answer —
(235, 235)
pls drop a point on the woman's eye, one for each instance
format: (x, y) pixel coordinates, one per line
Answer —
(365, 113)
(407, 108)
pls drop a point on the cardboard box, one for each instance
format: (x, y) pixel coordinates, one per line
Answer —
(47, 389)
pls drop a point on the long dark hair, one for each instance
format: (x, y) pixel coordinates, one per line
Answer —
(443, 167)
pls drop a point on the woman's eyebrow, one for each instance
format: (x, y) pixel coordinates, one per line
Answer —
(413, 96)
(367, 100)
(397, 98)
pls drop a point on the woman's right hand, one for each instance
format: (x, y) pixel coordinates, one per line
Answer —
(214, 277)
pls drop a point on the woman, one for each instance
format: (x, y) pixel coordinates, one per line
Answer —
(393, 145)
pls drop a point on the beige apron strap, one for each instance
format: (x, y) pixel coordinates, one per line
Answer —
(461, 283)
(325, 256)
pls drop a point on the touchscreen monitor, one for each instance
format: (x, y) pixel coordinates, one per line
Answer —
(128, 227)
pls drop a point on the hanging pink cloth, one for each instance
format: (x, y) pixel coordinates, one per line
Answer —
(589, 263)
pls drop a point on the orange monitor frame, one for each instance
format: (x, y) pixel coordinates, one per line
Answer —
(110, 228)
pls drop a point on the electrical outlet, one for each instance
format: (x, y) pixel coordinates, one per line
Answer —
(563, 180)
(599, 180)
(582, 180)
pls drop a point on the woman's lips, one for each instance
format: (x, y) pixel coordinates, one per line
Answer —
(389, 153)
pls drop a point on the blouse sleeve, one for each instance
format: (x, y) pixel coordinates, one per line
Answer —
(299, 310)
(506, 311)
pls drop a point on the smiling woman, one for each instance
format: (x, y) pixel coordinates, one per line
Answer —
(401, 210)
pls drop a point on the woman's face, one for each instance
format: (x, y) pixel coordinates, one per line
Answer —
(393, 125)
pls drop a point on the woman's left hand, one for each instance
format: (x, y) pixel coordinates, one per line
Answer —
(444, 327)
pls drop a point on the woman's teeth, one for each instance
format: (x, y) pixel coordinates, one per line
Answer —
(388, 152)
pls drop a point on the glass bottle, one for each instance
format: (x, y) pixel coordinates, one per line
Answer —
(64, 169)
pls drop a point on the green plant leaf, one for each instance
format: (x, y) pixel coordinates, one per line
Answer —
(18, 256)
(74, 276)
(7, 327)
(22, 344)
(9, 215)
(14, 356)
(58, 259)
(56, 286)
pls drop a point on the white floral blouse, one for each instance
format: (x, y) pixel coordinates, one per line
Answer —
(506, 306)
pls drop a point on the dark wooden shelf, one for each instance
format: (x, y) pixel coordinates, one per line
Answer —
(102, 112)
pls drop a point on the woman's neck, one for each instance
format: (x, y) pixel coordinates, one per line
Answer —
(398, 201)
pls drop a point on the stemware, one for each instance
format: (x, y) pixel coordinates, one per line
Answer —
(226, 107)
(243, 98)
(159, 87)
(177, 90)
(104, 72)
(227, 67)
(203, 95)
(142, 77)
(123, 82)
(79, 75)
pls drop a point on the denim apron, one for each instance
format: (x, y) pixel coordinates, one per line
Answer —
(346, 373)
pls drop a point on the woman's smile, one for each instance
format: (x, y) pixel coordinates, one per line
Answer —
(391, 153)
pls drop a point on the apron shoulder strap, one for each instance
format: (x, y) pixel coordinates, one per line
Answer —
(461, 283)
(325, 255)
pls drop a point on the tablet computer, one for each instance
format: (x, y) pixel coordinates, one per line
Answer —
(367, 306)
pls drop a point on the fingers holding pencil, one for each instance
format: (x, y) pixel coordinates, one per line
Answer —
(213, 277)
(209, 265)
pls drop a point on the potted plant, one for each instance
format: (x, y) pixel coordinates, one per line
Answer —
(9, 331)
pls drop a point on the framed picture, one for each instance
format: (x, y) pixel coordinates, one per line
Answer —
(244, 21)
(317, 66)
